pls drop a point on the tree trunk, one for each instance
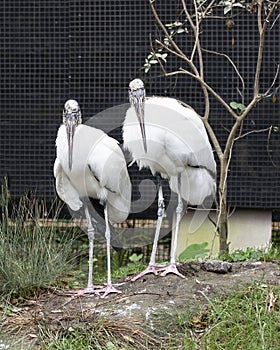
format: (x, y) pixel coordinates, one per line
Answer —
(223, 229)
(222, 224)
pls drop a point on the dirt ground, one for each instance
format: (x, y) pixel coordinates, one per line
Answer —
(152, 300)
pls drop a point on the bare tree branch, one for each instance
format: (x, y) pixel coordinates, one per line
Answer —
(195, 74)
(260, 26)
(237, 124)
(213, 138)
(235, 68)
(272, 10)
(210, 5)
(267, 147)
(208, 87)
(179, 53)
(274, 81)
(276, 19)
(195, 29)
(260, 50)
(262, 30)
(157, 58)
(252, 132)
(197, 47)
(175, 53)
(162, 26)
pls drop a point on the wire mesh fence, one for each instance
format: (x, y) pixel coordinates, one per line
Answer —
(89, 50)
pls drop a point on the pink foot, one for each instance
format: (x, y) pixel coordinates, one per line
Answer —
(87, 290)
(107, 290)
(172, 268)
(151, 268)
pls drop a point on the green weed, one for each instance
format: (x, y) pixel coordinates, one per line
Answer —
(32, 255)
(245, 319)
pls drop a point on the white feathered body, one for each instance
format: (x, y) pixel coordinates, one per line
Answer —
(177, 142)
(98, 171)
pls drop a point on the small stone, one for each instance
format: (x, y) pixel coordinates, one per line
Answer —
(216, 266)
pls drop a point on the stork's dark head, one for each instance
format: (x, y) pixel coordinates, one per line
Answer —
(72, 117)
(137, 96)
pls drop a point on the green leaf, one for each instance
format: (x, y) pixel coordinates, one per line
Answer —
(169, 25)
(227, 9)
(147, 67)
(241, 106)
(238, 4)
(233, 105)
(194, 251)
(135, 257)
(166, 41)
(163, 57)
(237, 106)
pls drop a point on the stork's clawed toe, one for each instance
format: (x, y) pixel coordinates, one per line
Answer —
(172, 268)
(151, 268)
(108, 290)
(93, 290)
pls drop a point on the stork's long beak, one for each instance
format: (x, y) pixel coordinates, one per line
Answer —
(70, 129)
(138, 99)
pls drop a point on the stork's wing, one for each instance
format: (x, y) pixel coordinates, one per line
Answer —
(186, 136)
(65, 189)
(106, 161)
(108, 165)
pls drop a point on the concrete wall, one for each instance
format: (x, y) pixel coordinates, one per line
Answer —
(247, 228)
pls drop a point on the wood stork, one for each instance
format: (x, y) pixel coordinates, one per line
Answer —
(91, 164)
(170, 139)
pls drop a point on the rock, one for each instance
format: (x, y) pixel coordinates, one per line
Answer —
(217, 266)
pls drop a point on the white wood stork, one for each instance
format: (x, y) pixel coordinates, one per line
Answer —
(172, 142)
(91, 164)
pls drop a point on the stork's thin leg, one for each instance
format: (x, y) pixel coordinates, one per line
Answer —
(90, 233)
(90, 289)
(172, 268)
(161, 214)
(109, 288)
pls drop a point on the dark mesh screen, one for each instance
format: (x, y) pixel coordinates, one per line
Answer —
(34, 84)
(90, 50)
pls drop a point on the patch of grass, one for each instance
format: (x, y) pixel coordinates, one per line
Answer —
(246, 319)
(131, 268)
(272, 253)
(32, 255)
